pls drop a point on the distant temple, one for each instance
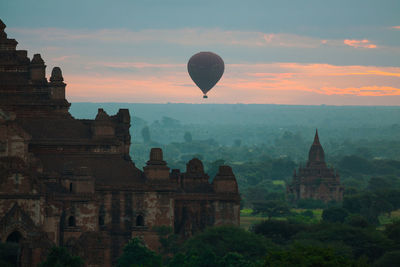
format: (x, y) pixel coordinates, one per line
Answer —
(69, 182)
(316, 180)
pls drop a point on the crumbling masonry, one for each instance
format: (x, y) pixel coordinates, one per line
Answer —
(69, 182)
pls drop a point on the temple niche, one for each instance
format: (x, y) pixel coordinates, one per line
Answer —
(316, 180)
(71, 182)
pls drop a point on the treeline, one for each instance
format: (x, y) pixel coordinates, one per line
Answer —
(352, 242)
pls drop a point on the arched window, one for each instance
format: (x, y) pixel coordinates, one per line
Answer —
(139, 220)
(71, 221)
(14, 237)
(70, 187)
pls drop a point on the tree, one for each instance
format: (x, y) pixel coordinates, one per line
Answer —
(168, 240)
(378, 183)
(382, 206)
(357, 220)
(310, 203)
(213, 167)
(137, 254)
(278, 231)
(334, 214)
(233, 259)
(355, 164)
(393, 197)
(237, 142)
(60, 257)
(362, 241)
(392, 231)
(308, 255)
(170, 122)
(389, 259)
(366, 204)
(221, 244)
(146, 134)
(187, 137)
(271, 208)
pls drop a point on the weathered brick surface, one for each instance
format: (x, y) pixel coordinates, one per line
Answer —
(70, 182)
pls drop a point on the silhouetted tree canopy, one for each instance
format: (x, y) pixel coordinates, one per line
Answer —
(146, 134)
(278, 230)
(308, 255)
(389, 259)
(271, 208)
(60, 257)
(335, 214)
(187, 137)
(136, 254)
(219, 245)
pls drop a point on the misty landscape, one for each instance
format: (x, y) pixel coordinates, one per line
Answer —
(178, 133)
(265, 144)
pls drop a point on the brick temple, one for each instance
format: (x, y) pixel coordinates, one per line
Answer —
(316, 180)
(71, 182)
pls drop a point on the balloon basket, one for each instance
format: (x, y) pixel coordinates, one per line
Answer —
(204, 96)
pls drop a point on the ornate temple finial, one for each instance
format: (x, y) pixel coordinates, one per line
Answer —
(156, 154)
(156, 157)
(56, 75)
(37, 59)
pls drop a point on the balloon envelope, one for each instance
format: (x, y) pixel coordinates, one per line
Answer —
(205, 69)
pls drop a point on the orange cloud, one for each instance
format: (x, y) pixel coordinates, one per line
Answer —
(362, 91)
(359, 43)
(278, 83)
(396, 27)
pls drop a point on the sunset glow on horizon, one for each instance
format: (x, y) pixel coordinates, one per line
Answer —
(347, 60)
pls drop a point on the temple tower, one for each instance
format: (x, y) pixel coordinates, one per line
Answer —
(316, 180)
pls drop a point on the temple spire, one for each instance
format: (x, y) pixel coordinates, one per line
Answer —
(316, 138)
(316, 153)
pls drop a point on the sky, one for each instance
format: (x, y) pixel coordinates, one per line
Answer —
(297, 52)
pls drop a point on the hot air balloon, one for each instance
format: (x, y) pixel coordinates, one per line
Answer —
(205, 69)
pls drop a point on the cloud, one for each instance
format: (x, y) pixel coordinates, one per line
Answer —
(396, 27)
(362, 91)
(279, 83)
(63, 58)
(107, 65)
(359, 43)
(137, 65)
(184, 36)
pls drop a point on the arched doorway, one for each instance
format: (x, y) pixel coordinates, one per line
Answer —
(13, 255)
(14, 237)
